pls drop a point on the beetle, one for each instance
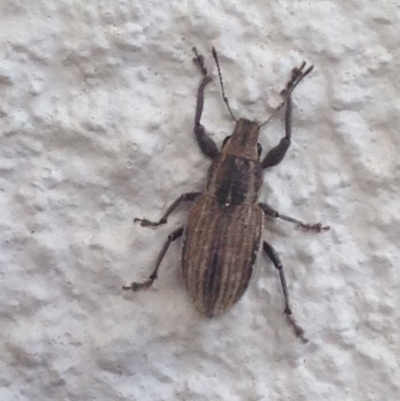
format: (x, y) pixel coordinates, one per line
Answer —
(223, 233)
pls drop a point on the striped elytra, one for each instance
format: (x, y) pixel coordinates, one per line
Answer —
(223, 231)
(220, 248)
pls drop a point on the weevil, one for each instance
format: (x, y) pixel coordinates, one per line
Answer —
(223, 233)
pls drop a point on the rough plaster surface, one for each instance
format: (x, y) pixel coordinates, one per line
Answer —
(96, 109)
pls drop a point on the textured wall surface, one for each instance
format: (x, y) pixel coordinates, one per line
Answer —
(96, 112)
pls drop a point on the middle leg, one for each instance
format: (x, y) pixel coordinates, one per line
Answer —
(269, 211)
(190, 196)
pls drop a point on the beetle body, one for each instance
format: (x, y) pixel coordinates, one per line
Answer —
(224, 227)
(223, 231)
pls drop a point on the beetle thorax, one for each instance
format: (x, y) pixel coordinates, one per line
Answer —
(235, 175)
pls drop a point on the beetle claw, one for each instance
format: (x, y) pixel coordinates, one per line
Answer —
(149, 223)
(318, 227)
(139, 286)
(298, 330)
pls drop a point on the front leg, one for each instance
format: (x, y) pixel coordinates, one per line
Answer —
(206, 144)
(276, 154)
(269, 211)
(190, 196)
(273, 256)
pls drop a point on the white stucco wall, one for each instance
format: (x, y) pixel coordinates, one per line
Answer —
(96, 110)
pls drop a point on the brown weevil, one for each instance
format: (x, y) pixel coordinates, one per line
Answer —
(222, 236)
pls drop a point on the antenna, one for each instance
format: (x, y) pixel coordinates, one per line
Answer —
(297, 76)
(214, 53)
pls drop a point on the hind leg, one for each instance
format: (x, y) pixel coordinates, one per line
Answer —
(273, 256)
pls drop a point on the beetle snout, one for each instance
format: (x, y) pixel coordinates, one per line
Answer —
(244, 139)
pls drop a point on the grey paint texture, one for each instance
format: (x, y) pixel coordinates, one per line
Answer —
(96, 112)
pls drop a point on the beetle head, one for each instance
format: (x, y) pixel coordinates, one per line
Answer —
(244, 140)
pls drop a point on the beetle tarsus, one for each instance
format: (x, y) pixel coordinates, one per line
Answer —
(146, 284)
(199, 61)
(269, 211)
(317, 227)
(140, 286)
(298, 330)
(297, 76)
(187, 197)
(149, 223)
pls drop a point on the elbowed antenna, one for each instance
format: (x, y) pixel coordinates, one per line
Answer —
(298, 75)
(214, 53)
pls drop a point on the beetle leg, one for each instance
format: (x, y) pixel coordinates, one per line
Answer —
(275, 155)
(190, 196)
(206, 144)
(146, 284)
(269, 211)
(273, 256)
(270, 251)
